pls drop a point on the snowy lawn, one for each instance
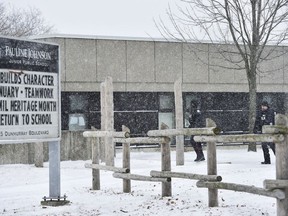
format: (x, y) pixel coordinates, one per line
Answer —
(23, 186)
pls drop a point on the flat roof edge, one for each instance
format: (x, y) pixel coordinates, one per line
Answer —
(127, 38)
(75, 36)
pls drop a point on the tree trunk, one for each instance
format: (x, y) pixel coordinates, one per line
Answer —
(252, 105)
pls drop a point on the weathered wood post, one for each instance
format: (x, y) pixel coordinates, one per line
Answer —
(95, 160)
(179, 121)
(212, 166)
(126, 162)
(103, 121)
(109, 144)
(39, 156)
(282, 165)
(166, 163)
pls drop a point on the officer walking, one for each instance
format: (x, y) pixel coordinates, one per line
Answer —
(266, 116)
(195, 121)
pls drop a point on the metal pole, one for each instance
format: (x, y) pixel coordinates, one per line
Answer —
(54, 169)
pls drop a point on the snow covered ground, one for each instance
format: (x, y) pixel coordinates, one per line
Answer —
(23, 186)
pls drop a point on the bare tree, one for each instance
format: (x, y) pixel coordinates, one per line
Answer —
(249, 25)
(22, 23)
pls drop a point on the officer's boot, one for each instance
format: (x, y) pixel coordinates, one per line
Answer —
(266, 159)
(201, 156)
(197, 154)
(266, 154)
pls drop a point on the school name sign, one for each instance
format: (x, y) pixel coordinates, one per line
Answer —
(29, 91)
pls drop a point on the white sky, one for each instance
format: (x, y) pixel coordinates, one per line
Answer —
(133, 18)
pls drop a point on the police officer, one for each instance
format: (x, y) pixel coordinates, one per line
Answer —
(196, 121)
(266, 116)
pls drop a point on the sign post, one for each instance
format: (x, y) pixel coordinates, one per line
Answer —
(54, 169)
(30, 99)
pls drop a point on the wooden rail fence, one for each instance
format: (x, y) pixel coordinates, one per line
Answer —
(278, 188)
(272, 188)
(210, 134)
(161, 136)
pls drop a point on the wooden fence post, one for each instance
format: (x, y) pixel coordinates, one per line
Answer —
(212, 166)
(282, 165)
(126, 162)
(179, 121)
(95, 160)
(109, 145)
(103, 122)
(166, 163)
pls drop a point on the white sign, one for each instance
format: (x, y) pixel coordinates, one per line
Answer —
(29, 92)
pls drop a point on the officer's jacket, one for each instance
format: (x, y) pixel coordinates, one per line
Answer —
(266, 117)
(195, 120)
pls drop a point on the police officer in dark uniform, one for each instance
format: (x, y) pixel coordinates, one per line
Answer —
(196, 121)
(266, 116)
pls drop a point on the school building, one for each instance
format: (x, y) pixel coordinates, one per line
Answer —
(144, 71)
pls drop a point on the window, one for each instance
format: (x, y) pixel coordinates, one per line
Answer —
(78, 103)
(166, 102)
(166, 110)
(77, 122)
(166, 118)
